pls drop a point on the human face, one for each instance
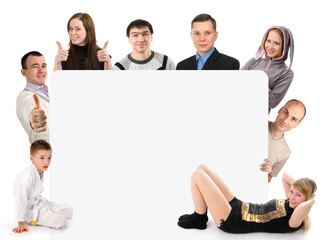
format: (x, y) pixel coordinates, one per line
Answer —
(140, 39)
(41, 160)
(36, 70)
(203, 36)
(273, 46)
(77, 32)
(295, 197)
(289, 116)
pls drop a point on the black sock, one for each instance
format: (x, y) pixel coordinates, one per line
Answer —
(186, 216)
(194, 220)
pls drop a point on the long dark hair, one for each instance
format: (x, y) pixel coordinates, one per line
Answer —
(92, 62)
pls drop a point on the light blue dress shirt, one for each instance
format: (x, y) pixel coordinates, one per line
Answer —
(201, 60)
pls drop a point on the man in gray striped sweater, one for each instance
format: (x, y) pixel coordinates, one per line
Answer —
(140, 35)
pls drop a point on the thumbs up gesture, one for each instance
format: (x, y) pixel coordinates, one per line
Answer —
(103, 55)
(62, 54)
(38, 118)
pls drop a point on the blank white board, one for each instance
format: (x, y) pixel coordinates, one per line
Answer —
(125, 144)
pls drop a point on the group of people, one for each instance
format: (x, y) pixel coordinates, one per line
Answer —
(208, 190)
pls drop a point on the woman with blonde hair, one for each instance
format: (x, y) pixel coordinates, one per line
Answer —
(234, 216)
(277, 44)
(83, 52)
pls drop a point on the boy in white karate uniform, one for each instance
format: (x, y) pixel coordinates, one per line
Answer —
(31, 207)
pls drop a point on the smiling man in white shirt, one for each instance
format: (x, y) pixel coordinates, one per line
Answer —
(32, 105)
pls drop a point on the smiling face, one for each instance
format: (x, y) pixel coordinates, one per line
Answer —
(41, 159)
(295, 197)
(77, 32)
(140, 39)
(289, 116)
(273, 45)
(36, 70)
(203, 36)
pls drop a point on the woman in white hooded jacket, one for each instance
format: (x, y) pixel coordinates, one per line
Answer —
(276, 44)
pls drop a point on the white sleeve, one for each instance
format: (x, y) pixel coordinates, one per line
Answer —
(21, 189)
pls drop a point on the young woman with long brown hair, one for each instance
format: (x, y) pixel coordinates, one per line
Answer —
(83, 52)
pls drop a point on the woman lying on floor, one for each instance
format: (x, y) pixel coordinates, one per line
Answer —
(234, 216)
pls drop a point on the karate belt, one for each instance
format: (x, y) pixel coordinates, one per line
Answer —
(37, 203)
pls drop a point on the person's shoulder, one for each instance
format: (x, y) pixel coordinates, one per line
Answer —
(222, 61)
(124, 59)
(188, 59)
(170, 65)
(26, 92)
(122, 64)
(284, 145)
(227, 58)
(25, 176)
(159, 56)
(287, 72)
(250, 64)
(21, 95)
(186, 63)
(25, 97)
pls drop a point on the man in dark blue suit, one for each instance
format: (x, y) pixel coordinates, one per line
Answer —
(204, 35)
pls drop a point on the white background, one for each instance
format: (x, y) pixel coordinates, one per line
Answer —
(37, 25)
